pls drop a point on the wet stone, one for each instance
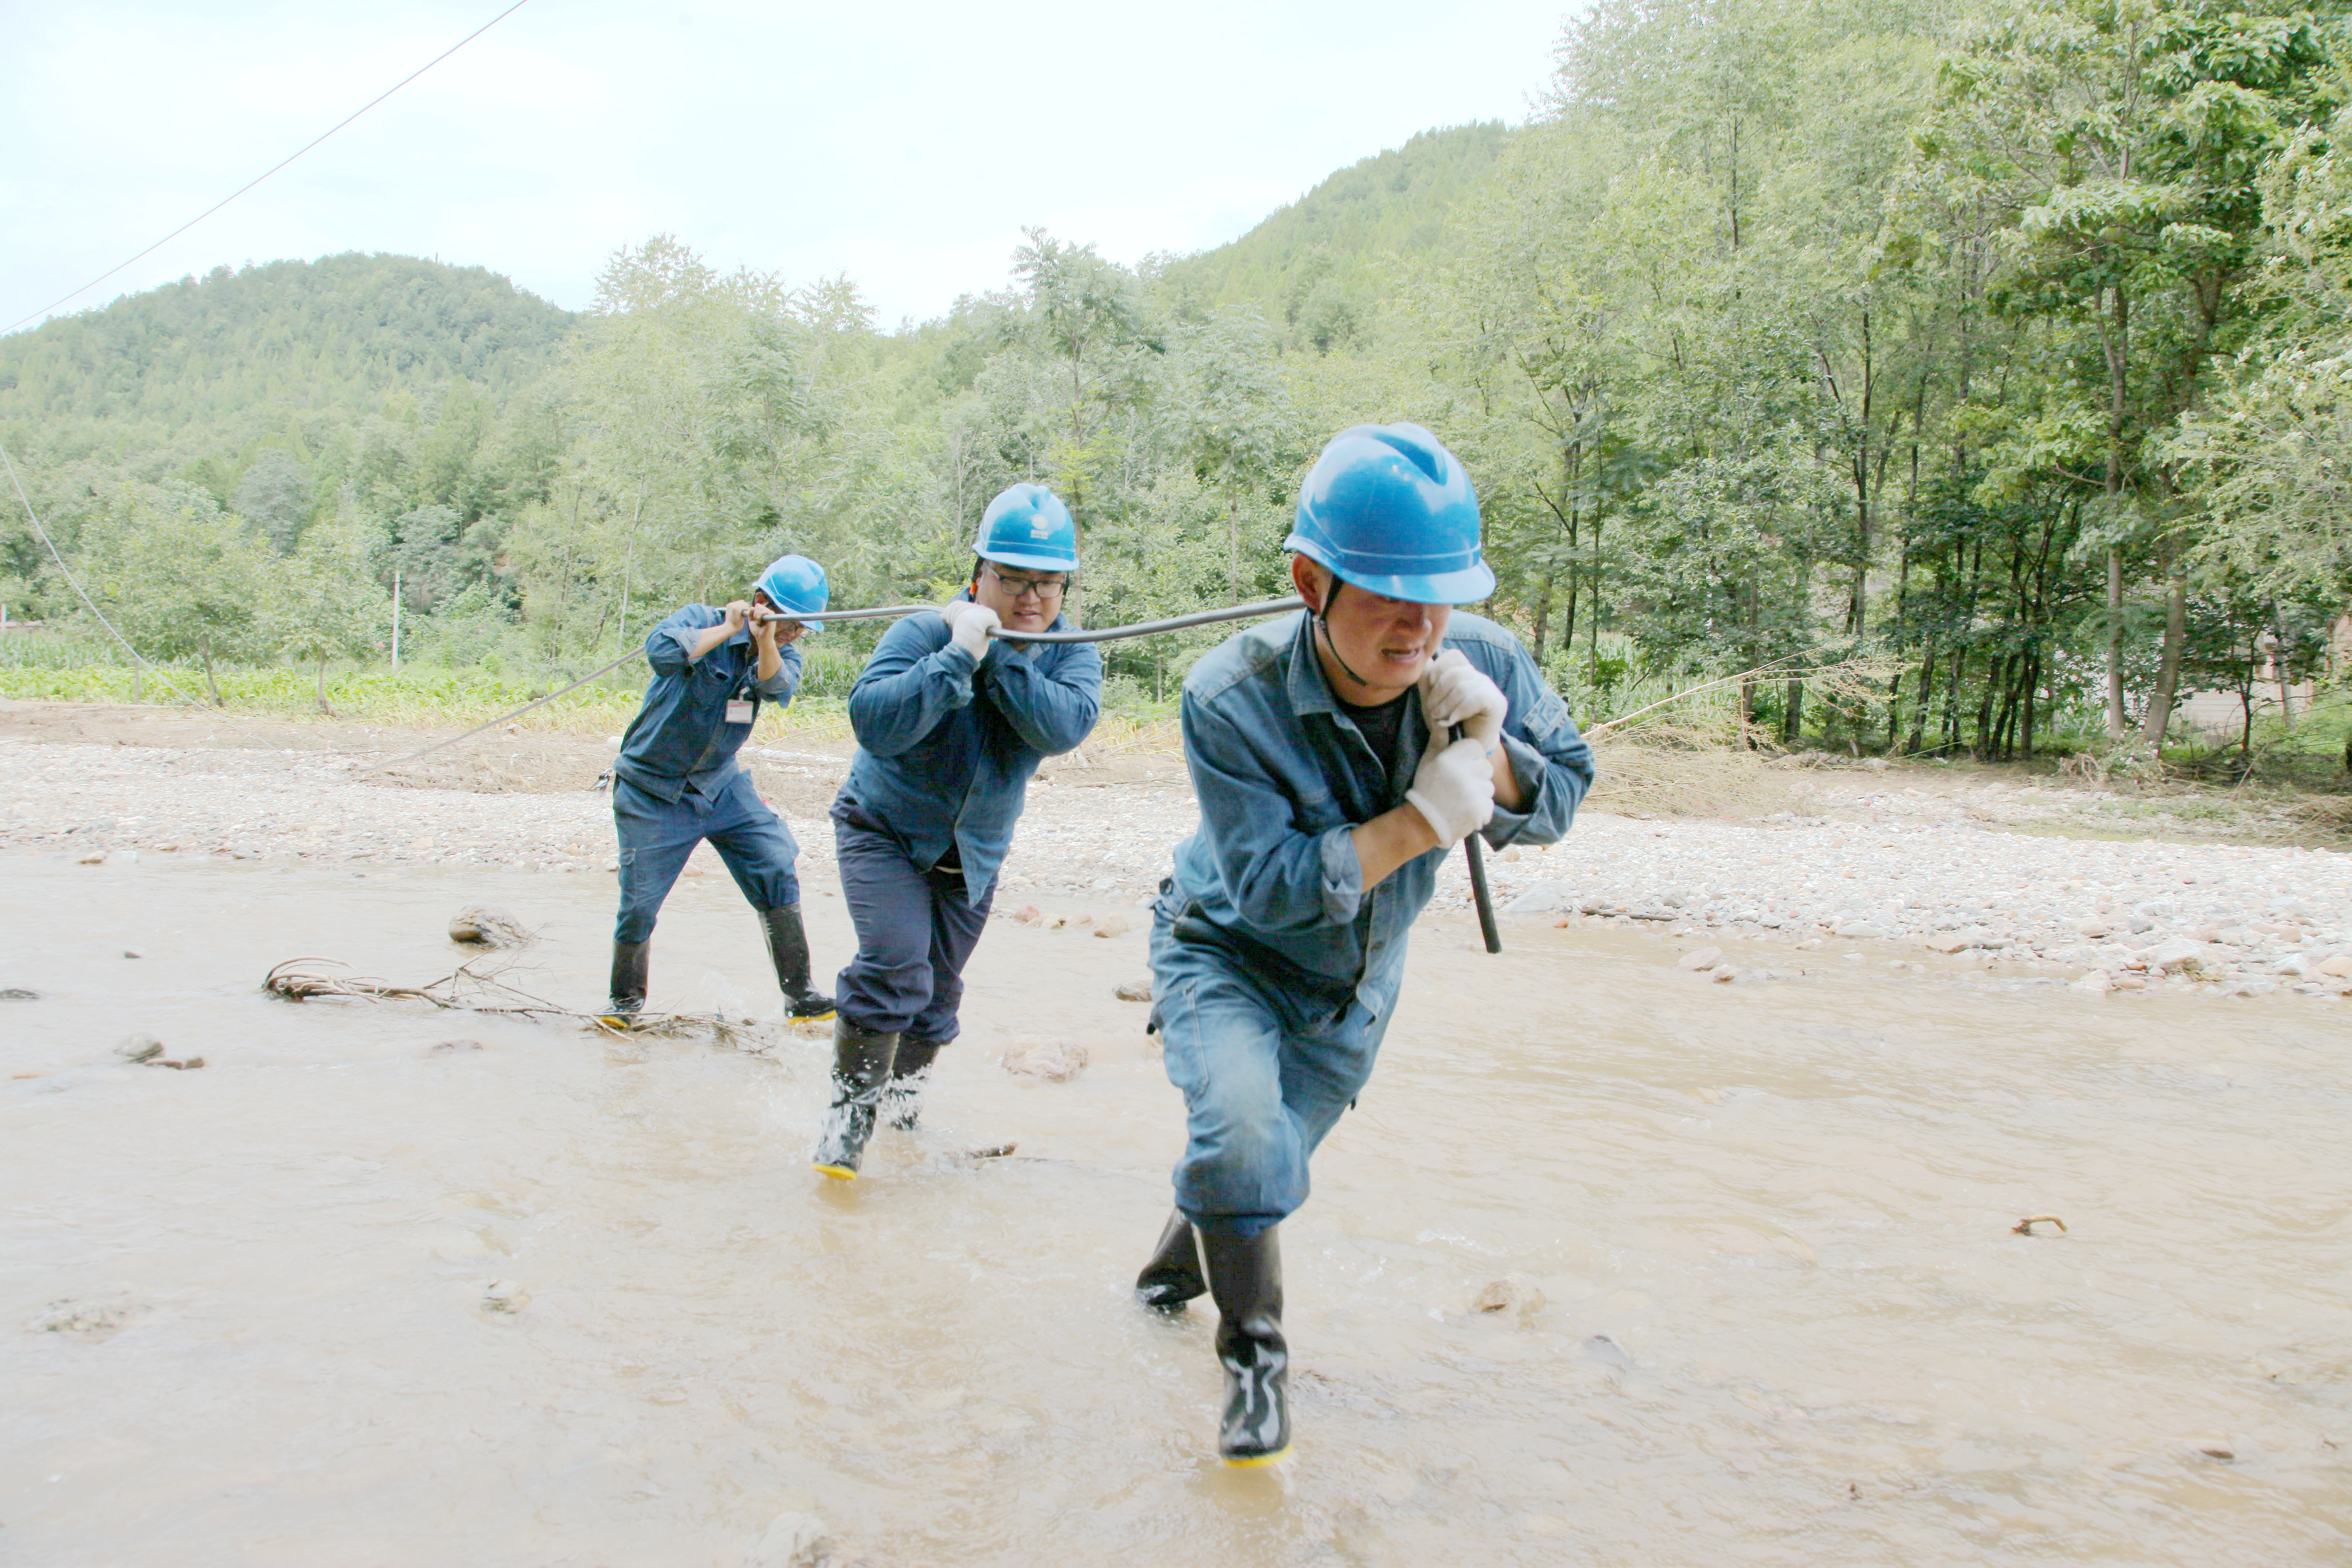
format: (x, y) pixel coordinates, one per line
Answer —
(484, 927)
(505, 1297)
(140, 1048)
(1053, 1061)
(1514, 1297)
(1605, 1349)
(95, 1319)
(791, 1540)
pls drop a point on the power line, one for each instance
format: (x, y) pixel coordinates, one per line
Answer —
(504, 718)
(217, 206)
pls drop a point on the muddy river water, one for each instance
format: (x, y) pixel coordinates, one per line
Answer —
(245, 1313)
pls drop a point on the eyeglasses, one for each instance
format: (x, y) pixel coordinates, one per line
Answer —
(1043, 588)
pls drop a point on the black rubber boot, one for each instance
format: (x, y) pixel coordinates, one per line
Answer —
(788, 945)
(628, 983)
(910, 1070)
(861, 1066)
(1246, 1276)
(1173, 1276)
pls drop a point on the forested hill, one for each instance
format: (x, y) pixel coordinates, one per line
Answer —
(202, 365)
(1318, 265)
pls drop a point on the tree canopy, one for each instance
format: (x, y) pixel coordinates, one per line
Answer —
(2002, 349)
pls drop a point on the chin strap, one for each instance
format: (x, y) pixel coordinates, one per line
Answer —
(1323, 621)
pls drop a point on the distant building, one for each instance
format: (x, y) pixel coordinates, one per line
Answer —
(2224, 714)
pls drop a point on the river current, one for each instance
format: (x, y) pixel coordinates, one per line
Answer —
(342, 1297)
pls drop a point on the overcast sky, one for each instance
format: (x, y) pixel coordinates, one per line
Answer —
(904, 144)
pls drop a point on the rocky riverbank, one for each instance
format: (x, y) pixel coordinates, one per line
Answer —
(1875, 871)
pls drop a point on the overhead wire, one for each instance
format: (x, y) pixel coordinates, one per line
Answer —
(18, 485)
(256, 179)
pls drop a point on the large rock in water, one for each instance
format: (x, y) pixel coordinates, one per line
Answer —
(482, 926)
(1054, 1061)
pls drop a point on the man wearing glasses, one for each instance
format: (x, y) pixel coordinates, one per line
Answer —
(949, 727)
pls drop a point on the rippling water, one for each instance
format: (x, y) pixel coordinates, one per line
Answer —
(1786, 1318)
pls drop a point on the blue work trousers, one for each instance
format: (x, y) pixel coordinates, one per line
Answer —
(915, 933)
(1266, 1059)
(657, 835)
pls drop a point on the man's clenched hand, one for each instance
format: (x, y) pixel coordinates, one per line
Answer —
(969, 625)
(1455, 691)
(1454, 789)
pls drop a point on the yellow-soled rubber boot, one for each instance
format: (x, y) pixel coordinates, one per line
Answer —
(861, 1066)
(1245, 1278)
(627, 990)
(788, 948)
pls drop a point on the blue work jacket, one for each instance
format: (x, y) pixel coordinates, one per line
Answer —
(680, 736)
(1283, 774)
(945, 745)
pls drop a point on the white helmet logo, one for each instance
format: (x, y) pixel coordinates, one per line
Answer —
(1040, 526)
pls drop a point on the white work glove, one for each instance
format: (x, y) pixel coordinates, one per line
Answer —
(1454, 789)
(1454, 691)
(969, 625)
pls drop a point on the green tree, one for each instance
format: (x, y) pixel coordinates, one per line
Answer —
(323, 602)
(2116, 143)
(181, 577)
(1241, 430)
(2273, 452)
(274, 494)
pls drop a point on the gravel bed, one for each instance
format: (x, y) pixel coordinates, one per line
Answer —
(1903, 873)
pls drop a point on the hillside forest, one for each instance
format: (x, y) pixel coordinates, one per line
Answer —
(1937, 380)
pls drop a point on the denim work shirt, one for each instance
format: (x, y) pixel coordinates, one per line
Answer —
(1283, 774)
(680, 737)
(945, 745)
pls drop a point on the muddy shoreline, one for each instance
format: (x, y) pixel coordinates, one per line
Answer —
(389, 1284)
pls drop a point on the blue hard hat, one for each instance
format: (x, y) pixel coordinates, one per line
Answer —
(795, 583)
(1388, 507)
(1028, 526)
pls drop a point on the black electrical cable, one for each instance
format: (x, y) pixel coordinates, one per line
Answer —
(1108, 633)
(508, 718)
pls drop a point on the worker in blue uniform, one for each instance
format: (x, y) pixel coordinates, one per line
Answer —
(1338, 754)
(676, 783)
(950, 724)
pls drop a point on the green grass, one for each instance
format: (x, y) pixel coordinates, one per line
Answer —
(419, 696)
(433, 696)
